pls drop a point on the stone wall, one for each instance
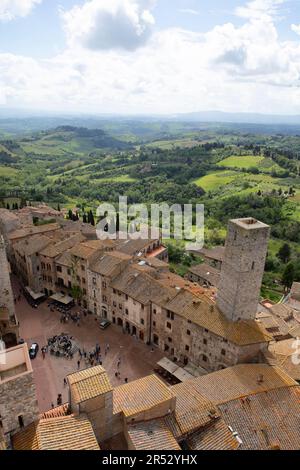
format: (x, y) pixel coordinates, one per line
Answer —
(18, 398)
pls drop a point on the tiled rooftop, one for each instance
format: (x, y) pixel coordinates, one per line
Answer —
(152, 435)
(89, 383)
(140, 395)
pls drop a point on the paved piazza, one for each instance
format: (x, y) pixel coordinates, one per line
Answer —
(37, 325)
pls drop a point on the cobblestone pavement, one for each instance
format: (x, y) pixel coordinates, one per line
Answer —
(37, 325)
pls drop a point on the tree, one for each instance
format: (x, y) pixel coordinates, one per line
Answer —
(288, 276)
(284, 254)
(92, 220)
(76, 293)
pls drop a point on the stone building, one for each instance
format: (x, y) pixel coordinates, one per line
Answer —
(243, 268)
(204, 274)
(18, 404)
(9, 330)
(258, 409)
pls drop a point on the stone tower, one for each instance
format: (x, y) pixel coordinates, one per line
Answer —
(243, 268)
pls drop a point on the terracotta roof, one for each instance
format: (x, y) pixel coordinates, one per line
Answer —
(241, 381)
(140, 395)
(109, 263)
(201, 310)
(56, 249)
(57, 412)
(269, 420)
(133, 247)
(206, 272)
(34, 230)
(89, 383)
(32, 245)
(283, 352)
(217, 253)
(65, 259)
(193, 410)
(63, 433)
(27, 439)
(138, 282)
(88, 248)
(217, 436)
(152, 435)
(67, 433)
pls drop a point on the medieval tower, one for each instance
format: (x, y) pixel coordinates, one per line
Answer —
(243, 268)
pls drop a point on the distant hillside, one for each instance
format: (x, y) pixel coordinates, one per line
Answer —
(85, 138)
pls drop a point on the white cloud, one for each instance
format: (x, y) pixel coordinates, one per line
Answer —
(11, 9)
(230, 68)
(189, 11)
(113, 24)
(296, 28)
(260, 9)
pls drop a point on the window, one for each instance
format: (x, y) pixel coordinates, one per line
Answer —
(188, 332)
(187, 348)
(114, 303)
(126, 297)
(84, 291)
(83, 280)
(142, 321)
(104, 298)
(69, 285)
(120, 306)
(114, 291)
(170, 340)
(170, 315)
(126, 311)
(82, 268)
(94, 281)
(154, 311)
(155, 339)
(154, 324)
(104, 285)
(169, 326)
(204, 358)
(253, 266)
(167, 347)
(21, 421)
(58, 269)
(206, 331)
(69, 272)
(223, 352)
(143, 307)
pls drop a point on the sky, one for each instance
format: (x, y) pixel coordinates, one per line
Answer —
(150, 56)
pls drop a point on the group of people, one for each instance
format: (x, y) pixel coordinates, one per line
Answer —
(62, 346)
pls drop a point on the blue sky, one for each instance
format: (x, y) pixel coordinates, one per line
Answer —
(151, 55)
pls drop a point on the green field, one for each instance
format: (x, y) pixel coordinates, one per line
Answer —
(8, 172)
(215, 180)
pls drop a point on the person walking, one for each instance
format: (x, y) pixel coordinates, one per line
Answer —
(65, 382)
(78, 364)
(59, 399)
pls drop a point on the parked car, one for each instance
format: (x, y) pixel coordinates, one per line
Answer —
(104, 324)
(34, 349)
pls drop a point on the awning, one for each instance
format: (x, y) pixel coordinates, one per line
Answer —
(34, 295)
(195, 371)
(182, 375)
(168, 365)
(62, 299)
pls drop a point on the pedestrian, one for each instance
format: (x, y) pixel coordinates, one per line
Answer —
(107, 347)
(59, 399)
(65, 382)
(126, 380)
(78, 364)
(116, 374)
(43, 353)
(52, 406)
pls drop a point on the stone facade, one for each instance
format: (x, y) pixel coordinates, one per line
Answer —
(243, 268)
